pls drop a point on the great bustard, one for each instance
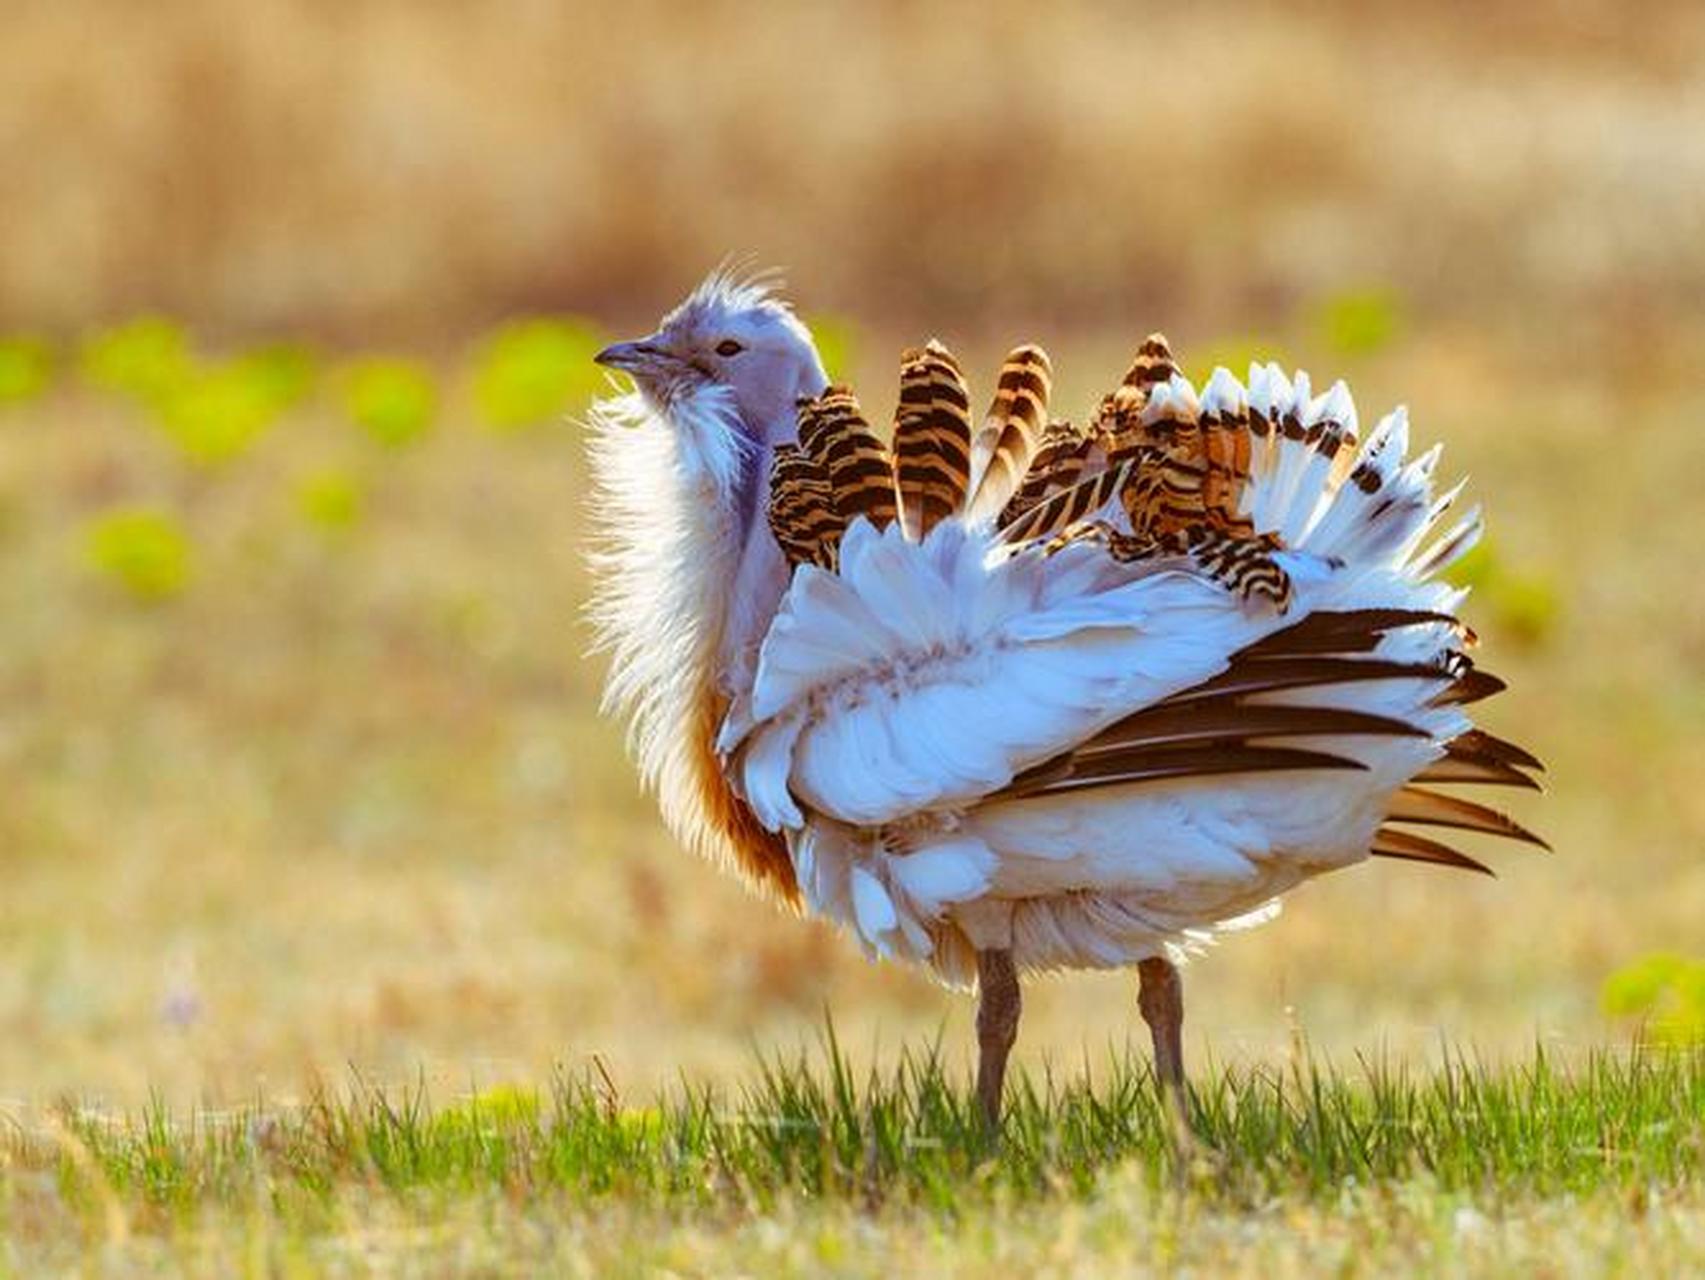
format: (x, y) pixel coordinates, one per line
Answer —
(1028, 696)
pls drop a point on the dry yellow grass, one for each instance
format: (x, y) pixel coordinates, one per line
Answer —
(377, 165)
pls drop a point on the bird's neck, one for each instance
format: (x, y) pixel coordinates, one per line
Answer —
(688, 581)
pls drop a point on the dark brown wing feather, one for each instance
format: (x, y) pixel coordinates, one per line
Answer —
(1353, 631)
(1465, 770)
(1151, 765)
(1413, 848)
(1471, 686)
(1215, 728)
(1231, 719)
(1271, 674)
(1432, 808)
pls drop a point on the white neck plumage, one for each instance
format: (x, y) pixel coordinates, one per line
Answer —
(688, 579)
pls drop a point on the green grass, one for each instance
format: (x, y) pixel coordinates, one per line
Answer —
(911, 1133)
(866, 1173)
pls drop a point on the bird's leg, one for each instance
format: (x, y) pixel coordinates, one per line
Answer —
(1161, 999)
(998, 1005)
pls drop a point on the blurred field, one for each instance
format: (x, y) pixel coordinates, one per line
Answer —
(302, 765)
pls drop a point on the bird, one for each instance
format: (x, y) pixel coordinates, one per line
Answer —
(1013, 695)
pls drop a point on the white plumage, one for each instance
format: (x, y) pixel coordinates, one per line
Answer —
(891, 699)
(871, 728)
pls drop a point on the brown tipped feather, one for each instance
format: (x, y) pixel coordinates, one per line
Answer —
(1471, 686)
(932, 439)
(1480, 743)
(1414, 804)
(1412, 848)
(801, 510)
(1012, 430)
(1065, 508)
(833, 430)
(1149, 765)
(1471, 770)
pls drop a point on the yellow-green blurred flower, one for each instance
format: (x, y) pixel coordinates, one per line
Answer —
(1359, 322)
(331, 498)
(533, 371)
(837, 340)
(216, 411)
(143, 358)
(1665, 991)
(142, 550)
(390, 398)
(1236, 353)
(26, 368)
(1524, 606)
(283, 371)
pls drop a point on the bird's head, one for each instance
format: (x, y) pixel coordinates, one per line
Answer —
(733, 343)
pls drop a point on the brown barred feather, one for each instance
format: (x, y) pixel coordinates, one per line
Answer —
(932, 439)
(1226, 446)
(802, 511)
(833, 430)
(1012, 430)
(1065, 456)
(1066, 508)
(1189, 475)
(1119, 422)
(1244, 566)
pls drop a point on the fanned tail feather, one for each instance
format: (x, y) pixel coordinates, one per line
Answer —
(833, 431)
(1248, 483)
(801, 509)
(1064, 457)
(932, 440)
(1001, 454)
(1067, 507)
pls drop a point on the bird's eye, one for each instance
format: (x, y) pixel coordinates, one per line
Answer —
(728, 347)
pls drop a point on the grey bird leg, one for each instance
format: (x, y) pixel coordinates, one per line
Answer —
(1161, 999)
(999, 1003)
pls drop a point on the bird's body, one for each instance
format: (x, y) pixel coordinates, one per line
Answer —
(995, 717)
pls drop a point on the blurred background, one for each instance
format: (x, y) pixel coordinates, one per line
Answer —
(302, 769)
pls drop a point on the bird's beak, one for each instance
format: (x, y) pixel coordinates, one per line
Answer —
(632, 357)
